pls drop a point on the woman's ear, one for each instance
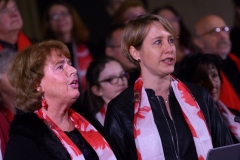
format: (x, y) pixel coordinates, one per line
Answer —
(134, 53)
(96, 90)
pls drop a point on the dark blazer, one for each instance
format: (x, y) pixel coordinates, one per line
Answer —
(31, 139)
(120, 117)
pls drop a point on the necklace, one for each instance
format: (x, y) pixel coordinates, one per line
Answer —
(175, 145)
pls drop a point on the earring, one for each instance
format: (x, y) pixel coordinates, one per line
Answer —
(44, 103)
(139, 60)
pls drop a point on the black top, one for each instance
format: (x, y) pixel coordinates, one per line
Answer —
(87, 151)
(119, 123)
(8, 45)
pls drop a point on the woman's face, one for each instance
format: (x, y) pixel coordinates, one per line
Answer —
(158, 52)
(172, 18)
(211, 80)
(60, 20)
(108, 91)
(60, 82)
(10, 18)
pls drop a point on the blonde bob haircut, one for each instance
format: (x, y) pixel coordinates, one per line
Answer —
(136, 31)
(27, 71)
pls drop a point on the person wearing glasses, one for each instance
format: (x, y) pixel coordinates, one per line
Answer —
(160, 117)
(212, 36)
(113, 49)
(11, 36)
(105, 80)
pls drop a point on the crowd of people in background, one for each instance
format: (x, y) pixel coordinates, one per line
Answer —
(61, 99)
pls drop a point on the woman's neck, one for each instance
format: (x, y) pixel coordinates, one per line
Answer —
(10, 37)
(65, 37)
(160, 85)
(60, 117)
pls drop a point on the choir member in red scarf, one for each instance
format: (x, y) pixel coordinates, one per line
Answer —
(45, 127)
(7, 98)
(106, 79)
(11, 23)
(204, 70)
(161, 117)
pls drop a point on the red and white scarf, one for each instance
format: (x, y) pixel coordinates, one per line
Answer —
(89, 133)
(145, 130)
(101, 114)
(228, 116)
(83, 58)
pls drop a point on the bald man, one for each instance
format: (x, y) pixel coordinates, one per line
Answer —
(212, 36)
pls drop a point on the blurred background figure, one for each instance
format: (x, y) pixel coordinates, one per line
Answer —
(212, 36)
(61, 22)
(235, 31)
(113, 49)
(7, 97)
(11, 24)
(183, 43)
(105, 80)
(129, 9)
(112, 6)
(204, 70)
(45, 127)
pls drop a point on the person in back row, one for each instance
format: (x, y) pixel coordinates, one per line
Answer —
(105, 80)
(11, 23)
(160, 117)
(212, 36)
(113, 49)
(204, 70)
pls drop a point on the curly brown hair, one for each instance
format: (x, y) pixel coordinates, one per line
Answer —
(27, 71)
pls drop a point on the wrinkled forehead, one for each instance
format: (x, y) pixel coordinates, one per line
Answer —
(55, 55)
(209, 23)
(4, 3)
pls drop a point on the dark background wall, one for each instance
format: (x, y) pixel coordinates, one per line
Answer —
(92, 12)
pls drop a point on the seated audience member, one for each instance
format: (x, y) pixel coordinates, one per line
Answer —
(113, 49)
(45, 127)
(161, 117)
(61, 22)
(7, 98)
(112, 6)
(235, 31)
(212, 36)
(204, 70)
(129, 9)
(105, 80)
(183, 43)
(11, 24)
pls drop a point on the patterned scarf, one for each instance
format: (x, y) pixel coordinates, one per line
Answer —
(89, 133)
(82, 58)
(101, 114)
(145, 130)
(228, 116)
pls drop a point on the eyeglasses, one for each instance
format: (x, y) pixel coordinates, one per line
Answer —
(8, 10)
(58, 15)
(215, 31)
(114, 80)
